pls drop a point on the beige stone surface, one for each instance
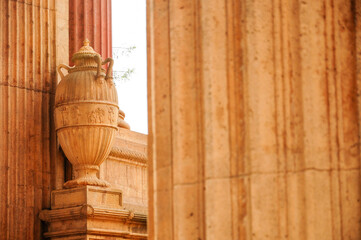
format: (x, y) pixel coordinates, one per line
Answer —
(254, 119)
(62, 55)
(254, 127)
(126, 169)
(28, 55)
(90, 212)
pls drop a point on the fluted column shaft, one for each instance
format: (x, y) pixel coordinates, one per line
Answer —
(253, 119)
(33, 40)
(90, 19)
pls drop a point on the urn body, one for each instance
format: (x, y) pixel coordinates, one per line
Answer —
(86, 113)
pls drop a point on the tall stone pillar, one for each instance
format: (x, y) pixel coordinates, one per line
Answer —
(92, 20)
(30, 32)
(253, 120)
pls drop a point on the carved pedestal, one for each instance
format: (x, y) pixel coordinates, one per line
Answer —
(89, 213)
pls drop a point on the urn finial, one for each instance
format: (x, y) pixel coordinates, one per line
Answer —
(85, 52)
(86, 42)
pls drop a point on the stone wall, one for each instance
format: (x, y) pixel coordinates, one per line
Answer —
(126, 169)
(253, 119)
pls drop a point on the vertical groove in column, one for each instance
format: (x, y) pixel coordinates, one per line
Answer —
(10, 208)
(236, 120)
(17, 120)
(248, 218)
(357, 17)
(348, 138)
(85, 22)
(285, 62)
(101, 27)
(4, 80)
(109, 27)
(97, 23)
(200, 119)
(332, 118)
(279, 94)
(22, 146)
(73, 21)
(94, 22)
(172, 133)
(295, 143)
(37, 119)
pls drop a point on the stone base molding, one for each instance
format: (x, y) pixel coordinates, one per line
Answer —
(92, 213)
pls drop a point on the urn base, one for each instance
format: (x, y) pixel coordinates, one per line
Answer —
(84, 181)
(86, 174)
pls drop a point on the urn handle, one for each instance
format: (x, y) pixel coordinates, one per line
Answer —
(100, 63)
(110, 68)
(98, 60)
(59, 70)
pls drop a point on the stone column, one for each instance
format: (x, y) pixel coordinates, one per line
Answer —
(93, 20)
(30, 32)
(253, 120)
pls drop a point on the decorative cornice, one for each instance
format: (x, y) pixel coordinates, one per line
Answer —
(96, 231)
(116, 233)
(90, 211)
(121, 152)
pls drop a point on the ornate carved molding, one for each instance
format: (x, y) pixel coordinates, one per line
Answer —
(78, 114)
(96, 231)
(130, 147)
(88, 210)
(92, 213)
(128, 155)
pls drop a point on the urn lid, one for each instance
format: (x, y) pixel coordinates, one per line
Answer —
(85, 51)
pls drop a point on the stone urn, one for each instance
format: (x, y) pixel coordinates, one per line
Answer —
(86, 114)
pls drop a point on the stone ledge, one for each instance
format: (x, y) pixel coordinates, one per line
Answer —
(94, 196)
(130, 147)
(91, 211)
(130, 156)
(66, 234)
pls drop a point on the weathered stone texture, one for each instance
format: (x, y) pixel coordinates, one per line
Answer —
(126, 169)
(28, 50)
(90, 212)
(253, 119)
